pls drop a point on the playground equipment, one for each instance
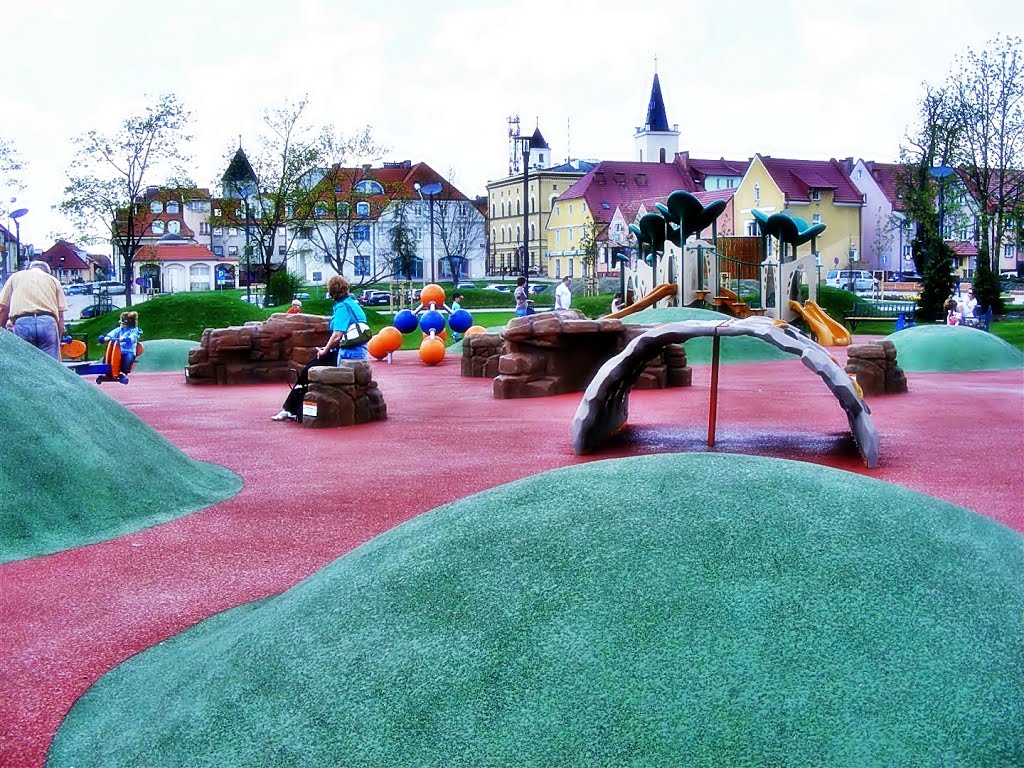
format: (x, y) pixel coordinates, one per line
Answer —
(701, 274)
(827, 331)
(431, 317)
(110, 368)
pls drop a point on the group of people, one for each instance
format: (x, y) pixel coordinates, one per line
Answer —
(524, 305)
(961, 310)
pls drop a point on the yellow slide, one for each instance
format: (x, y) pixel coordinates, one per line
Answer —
(660, 292)
(828, 332)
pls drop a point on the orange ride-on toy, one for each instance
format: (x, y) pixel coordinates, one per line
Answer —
(110, 368)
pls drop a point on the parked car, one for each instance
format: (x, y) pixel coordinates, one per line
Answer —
(75, 289)
(109, 286)
(860, 280)
(463, 286)
(539, 287)
(372, 298)
(503, 287)
(301, 296)
(100, 308)
(253, 298)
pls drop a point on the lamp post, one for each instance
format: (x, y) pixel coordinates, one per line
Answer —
(430, 190)
(16, 215)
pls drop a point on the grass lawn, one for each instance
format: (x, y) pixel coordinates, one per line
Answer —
(1010, 331)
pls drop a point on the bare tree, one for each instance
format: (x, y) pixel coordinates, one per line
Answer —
(458, 230)
(11, 166)
(110, 172)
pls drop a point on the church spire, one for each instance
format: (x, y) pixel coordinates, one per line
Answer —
(656, 120)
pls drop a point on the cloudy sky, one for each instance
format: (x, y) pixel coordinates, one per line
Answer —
(437, 80)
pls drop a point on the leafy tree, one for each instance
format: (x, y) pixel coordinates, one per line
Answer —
(590, 245)
(11, 166)
(458, 230)
(401, 235)
(986, 91)
(111, 171)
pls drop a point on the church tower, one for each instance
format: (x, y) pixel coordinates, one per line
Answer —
(654, 142)
(540, 151)
(239, 180)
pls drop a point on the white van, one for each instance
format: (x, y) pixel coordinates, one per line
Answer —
(860, 280)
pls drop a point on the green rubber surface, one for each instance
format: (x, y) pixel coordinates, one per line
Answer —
(675, 609)
(734, 349)
(78, 468)
(164, 355)
(953, 348)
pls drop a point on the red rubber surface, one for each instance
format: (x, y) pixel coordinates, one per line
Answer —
(68, 618)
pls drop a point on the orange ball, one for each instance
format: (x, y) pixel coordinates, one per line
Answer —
(432, 351)
(442, 335)
(375, 346)
(432, 293)
(391, 339)
(475, 329)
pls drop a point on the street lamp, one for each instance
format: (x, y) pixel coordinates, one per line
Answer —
(430, 190)
(16, 215)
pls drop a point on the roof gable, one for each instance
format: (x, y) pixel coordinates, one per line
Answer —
(796, 179)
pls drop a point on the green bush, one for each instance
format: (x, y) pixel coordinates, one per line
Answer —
(283, 287)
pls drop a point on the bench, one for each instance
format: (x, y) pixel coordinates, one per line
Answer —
(899, 312)
(981, 322)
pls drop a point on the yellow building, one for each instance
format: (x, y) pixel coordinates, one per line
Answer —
(817, 191)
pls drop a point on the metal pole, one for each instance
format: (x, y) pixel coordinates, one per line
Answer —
(526, 210)
(716, 343)
(431, 238)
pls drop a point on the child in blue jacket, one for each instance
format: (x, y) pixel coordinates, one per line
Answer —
(127, 337)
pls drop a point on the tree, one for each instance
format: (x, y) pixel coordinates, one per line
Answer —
(987, 110)
(111, 171)
(589, 246)
(11, 166)
(402, 240)
(458, 230)
(278, 182)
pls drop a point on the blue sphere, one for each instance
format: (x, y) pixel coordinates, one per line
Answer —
(405, 321)
(432, 321)
(460, 321)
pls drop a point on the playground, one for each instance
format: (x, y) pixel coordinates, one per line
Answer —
(237, 629)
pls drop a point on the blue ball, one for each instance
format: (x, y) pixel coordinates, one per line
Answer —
(405, 321)
(460, 321)
(432, 321)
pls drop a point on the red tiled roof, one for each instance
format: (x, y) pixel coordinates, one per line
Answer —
(796, 178)
(963, 248)
(63, 255)
(625, 185)
(182, 252)
(887, 177)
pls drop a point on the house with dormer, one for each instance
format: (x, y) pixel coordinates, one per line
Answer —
(817, 191)
(885, 231)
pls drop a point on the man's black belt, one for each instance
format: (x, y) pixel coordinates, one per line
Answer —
(32, 314)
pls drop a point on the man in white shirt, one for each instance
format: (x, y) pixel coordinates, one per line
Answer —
(563, 296)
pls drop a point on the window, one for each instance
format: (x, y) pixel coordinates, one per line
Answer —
(172, 206)
(199, 277)
(204, 228)
(218, 250)
(519, 207)
(907, 253)
(156, 206)
(239, 213)
(361, 233)
(218, 231)
(282, 250)
(556, 210)
(232, 250)
(816, 195)
(342, 209)
(816, 218)
(174, 227)
(568, 267)
(158, 227)
(232, 232)
(320, 210)
(570, 238)
(757, 193)
(541, 158)
(533, 204)
(281, 232)
(216, 212)
(494, 236)
(362, 209)
(533, 231)
(369, 187)
(1008, 249)
(570, 209)
(337, 188)
(558, 232)
(558, 267)
(492, 210)
(661, 155)
(362, 265)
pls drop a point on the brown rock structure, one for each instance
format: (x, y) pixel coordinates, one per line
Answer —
(874, 367)
(480, 353)
(556, 352)
(256, 352)
(342, 396)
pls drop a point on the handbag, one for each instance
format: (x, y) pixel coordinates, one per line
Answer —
(356, 334)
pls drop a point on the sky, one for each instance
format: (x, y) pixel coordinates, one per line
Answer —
(436, 81)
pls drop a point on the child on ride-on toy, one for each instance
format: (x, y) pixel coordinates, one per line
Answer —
(126, 337)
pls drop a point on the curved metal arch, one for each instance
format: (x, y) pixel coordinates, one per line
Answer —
(605, 404)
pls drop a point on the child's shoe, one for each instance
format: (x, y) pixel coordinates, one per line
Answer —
(123, 378)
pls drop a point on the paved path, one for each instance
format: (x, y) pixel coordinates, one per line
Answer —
(65, 619)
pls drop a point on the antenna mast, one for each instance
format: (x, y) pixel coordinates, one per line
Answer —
(513, 147)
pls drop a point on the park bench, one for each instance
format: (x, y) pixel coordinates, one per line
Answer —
(879, 310)
(981, 321)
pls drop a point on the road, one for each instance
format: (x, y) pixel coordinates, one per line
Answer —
(77, 303)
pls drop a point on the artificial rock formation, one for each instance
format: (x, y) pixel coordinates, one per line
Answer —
(342, 396)
(874, 367)
(257, 352)
(556, 352)
(480, 353)
(604, 409)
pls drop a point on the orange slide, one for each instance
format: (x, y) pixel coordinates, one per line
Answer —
(828, 332)
(660, 292)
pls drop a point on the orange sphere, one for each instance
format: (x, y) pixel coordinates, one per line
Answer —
(432, 293)
(375, 346)
(442, 335)
(432, 351)
(391, 339)
(475, 329)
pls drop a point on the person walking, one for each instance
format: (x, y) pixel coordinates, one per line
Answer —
(33, 302)
(523, 303)
(563, 296)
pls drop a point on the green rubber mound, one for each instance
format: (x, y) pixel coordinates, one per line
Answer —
(735, 349)
(78, 468)
(638, 611)
(164, 355)
(953, 349)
